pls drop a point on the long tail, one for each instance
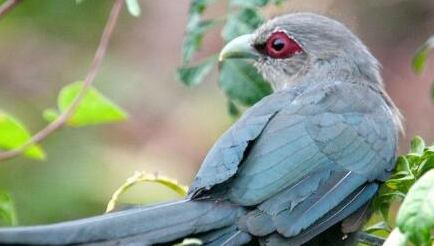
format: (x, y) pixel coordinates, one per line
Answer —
(138, 226)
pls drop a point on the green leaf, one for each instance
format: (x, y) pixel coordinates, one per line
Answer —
(380, 226)
(50, 114)
(417, 146)
(189, 242)
(133, 7)
(199, 6)
(248, 4)
(14, 134)
(242, 22)
(416, 215)
(79, 1)
(422, 54)
(425, 166)
(93, 109)
(383, 201)
(233, 109)
(193, 37)
(402, 178)
(242, 83)
(7, 209)
(194, 75)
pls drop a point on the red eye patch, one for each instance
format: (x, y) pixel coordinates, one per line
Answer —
(279, 45)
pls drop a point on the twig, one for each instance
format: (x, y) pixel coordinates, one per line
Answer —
(89, 79)
(140, 177)
(7, 6)
(370, 239)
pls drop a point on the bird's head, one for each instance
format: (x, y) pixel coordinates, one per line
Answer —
(295, 47)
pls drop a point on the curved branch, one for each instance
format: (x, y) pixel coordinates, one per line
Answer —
(7, 6)
(89, 79)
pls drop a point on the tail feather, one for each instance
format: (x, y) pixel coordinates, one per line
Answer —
(233, 238)
(228, 236)
(139, 226)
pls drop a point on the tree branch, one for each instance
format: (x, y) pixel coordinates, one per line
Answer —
(7, 6)
(89, 79)
(370, 239)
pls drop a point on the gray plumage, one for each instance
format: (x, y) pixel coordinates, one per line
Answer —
(300, 167)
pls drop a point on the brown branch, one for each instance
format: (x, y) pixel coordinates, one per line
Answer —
(89, 79)
(7, 6)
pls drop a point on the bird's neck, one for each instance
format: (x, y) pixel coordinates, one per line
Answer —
(323, 71)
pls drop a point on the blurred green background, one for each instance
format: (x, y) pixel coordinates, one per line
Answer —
(45, 45)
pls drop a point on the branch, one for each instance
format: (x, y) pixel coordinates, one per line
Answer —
(7, 6)
(370, 239)
(89, 79)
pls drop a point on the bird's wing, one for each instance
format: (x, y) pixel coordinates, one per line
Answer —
(313, 155)
(222, 161)
(346, 127)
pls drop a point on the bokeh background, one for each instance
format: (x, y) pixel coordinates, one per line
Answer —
(45, 45)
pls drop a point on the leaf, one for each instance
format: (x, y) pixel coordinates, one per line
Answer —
(425, 166)
(189, 241)
(79, 1)
(242, 22)
(402, 178)
(13, 134)
(50, 114)
(248, 4)
(416, 215)
(140, 177)
(233, 109)
(422, 54)
(241, 82)
(7, 209)
(380, 226)
(194, 75)
(198, 6)
(93, 109)
(193, 37)
(417, 145)
(396, 238)
(383, 201)
(133, 7)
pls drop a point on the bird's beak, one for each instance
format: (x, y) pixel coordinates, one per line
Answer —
(240, 47)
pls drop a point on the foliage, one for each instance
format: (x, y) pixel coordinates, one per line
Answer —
(421, 56)
(14, 134)
(235, 77)
(79, 104)
(413, 182)
(140, 177)
(422, 53)
(94, 108)
(416, 216)
(132, 6)
(7, 210)
(193, 75)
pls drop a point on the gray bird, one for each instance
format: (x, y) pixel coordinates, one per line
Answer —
(300, 167)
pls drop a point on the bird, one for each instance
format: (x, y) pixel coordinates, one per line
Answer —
(299, 167)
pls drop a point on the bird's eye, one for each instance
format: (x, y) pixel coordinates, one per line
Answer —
(279, 45)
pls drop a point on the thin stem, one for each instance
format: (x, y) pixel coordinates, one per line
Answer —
(7, 6)
(89, 79)
(370, 239)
